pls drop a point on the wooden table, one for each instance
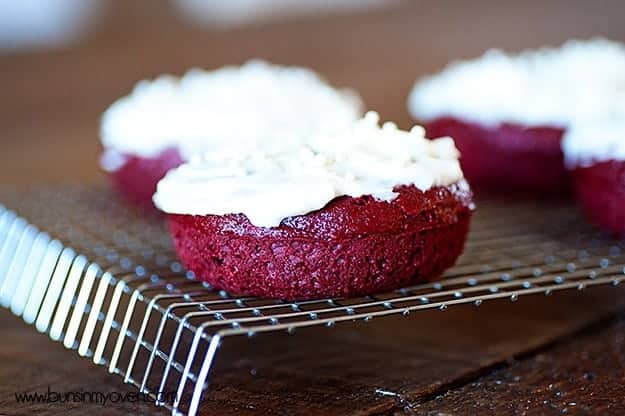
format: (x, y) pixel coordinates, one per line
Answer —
(542, 355)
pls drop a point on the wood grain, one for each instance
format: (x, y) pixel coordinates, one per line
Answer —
(383, 365)
(581, 375)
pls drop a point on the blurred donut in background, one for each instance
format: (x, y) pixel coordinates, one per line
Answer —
(595, 154)
(509, 113)
(167, 121)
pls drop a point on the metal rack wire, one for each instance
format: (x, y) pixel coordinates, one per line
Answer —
(103, 279)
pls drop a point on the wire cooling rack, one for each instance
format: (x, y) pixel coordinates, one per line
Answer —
(103, 280)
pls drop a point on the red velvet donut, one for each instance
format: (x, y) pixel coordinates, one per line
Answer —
(136, 179)
(508, 157)
(352, 246)
(600, 190)
(169, 117)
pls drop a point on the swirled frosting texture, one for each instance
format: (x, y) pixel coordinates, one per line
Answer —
(280, 179)
(203, 110)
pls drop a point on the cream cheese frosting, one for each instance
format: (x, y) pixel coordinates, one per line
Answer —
(580, 80)
(277, 179)
(203, 110)
(593, 141)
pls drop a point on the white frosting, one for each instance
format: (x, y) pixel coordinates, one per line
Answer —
(205, 109)
(553, 86)
(596, 140)
(277, 180)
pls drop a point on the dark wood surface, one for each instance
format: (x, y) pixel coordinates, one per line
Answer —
(396, 365)
(582, 375)
(537, 356)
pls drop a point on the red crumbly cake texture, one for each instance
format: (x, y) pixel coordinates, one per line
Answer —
(601, 191)
(137, 178)
(352, 246)
(508, 157)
